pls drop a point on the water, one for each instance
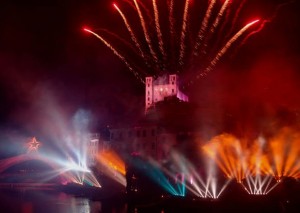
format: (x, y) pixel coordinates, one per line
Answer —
(36, 200)
(49, 201)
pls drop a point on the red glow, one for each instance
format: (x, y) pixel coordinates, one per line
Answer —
(27, 207)
(86, 29)
(253, 22)
(115, 5)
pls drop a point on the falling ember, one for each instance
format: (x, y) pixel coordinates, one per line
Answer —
(171, 18)
(133, 37)
(264, 22)
(114, 51)
(183, 31)
(215, 24)
(219, 16)
(225, 49)
(146, 34)
(237, 13)
(158, 30)
(108, 45)
(204, 26)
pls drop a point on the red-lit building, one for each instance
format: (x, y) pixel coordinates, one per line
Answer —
(159, 89)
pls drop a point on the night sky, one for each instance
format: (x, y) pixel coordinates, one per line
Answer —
(50, 68)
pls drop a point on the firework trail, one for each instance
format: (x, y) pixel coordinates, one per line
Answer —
(219, 16)
(225, 48)
(227, 23)
(141, 4)
(183, 31)
(171, 16)
(186, 50)
(146, 34)
(130, 3)
(171, 25)
(121, 39)
(237, 14)
(115, 52)
(266, 21)
(204, 26)
(158, 30)
(133, 37)
(215, 25)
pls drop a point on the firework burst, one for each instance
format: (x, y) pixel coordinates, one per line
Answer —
(184, 37)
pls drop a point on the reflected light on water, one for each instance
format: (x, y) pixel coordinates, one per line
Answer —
(46, 201)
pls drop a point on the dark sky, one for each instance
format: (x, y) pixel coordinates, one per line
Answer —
(48, 64)
(45, 54)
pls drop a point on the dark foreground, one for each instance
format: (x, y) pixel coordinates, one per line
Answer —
(80, 199)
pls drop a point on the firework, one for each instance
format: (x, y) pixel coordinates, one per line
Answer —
(183, 31)
(133, 37)
(225, 49)
(204, 26)
(187, 42)
(219, 16)
(115, 52)
(146, 34)
(158, 30)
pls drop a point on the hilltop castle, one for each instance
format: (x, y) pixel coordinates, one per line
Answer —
(161, 88)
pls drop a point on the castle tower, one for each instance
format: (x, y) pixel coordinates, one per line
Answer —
(173, 84)
(149, 93)
(158, 90)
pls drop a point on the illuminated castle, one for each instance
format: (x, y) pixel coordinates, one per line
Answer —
(161, 88)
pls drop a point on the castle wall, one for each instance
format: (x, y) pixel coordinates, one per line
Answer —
(156, 92)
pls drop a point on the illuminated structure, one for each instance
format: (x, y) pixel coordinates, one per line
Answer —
(33, 145)
(148, 141)
(154, 138)
(161, 88)
(92, 149)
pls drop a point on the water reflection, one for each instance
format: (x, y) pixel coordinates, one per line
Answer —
(50, 201)
(36, 201)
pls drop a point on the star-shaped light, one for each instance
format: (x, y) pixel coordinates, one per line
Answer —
(33, 145)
